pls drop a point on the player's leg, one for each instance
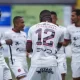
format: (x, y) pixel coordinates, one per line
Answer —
(19, 73)
(1, 72)
(25, 67)
(63, 69)
(63, 75)
(6, 73)
(75, 70)
(54, 74)
(21, 77)
(18, 70)
(34, 74)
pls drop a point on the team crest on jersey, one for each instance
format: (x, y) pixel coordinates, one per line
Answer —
(19, 70)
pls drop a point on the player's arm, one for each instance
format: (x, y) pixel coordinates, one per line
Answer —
(61, 39)
(59, 45)
(8, 42)
(29, 41)
(29, 46)
(67, 38)
(5, 39)
(66, 42)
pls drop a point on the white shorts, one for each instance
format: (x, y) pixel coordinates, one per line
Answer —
(5, 72)
(62, 67)
(1, 72)
(19, 68)
(43, 73)
(75, 69)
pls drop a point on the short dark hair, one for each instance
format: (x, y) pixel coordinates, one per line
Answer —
(77, 11)
(54, 13)
(45, 15)
(16, 18)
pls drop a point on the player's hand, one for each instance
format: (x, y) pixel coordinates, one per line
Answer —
(27, 54)
(9, 42)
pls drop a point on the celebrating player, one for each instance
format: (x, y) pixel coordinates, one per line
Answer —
(5, 73)
(61, 53)
(72, 35)
(17, 59)
(43, 39)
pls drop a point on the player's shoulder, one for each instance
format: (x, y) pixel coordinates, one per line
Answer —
(24, 33)
(8, 31)
(33, 27)
(62, 28)
(70, 26)
(44, 23)
(53, 25)
(59, 29)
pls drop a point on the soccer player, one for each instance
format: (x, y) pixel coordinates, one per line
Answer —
(5, 73)
(61, 53)
(17, 59)
(72, 35)
(43, 39)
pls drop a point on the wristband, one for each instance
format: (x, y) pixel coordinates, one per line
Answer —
(3, 42)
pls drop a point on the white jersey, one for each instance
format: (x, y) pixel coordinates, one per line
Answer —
(18, 48)
(45, 37)
(73, 33)
(61, 54)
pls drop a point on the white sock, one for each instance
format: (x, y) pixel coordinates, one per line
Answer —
(25, 78)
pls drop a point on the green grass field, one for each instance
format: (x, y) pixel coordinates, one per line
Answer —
(68, 76)
(69, 73)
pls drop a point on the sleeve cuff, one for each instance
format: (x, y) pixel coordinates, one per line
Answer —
(3, 42)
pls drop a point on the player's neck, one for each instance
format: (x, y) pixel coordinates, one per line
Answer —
(77, 24)
(56, 24)
(15, 30)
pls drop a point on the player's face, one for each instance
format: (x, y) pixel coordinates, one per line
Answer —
(54, 19)
(74, 17)
(21, 24)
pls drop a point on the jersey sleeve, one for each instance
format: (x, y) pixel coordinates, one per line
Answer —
(5, 36)
(67, 35)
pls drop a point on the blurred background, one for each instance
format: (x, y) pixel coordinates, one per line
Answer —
(30, 10)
